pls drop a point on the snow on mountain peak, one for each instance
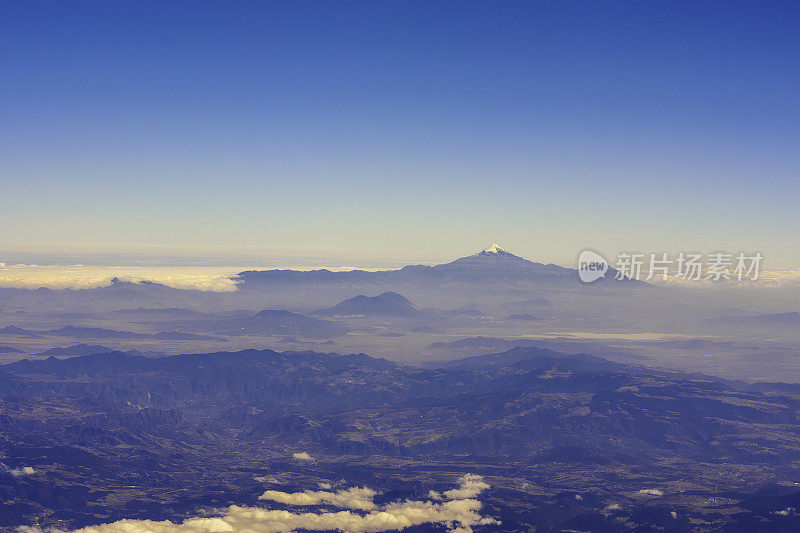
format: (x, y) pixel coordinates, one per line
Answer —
(493, 249)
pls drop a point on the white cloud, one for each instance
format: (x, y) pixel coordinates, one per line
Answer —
(458, 515)
(302, 456)
(471, 486)
(19, 472)
(218, 279)
(353, 498)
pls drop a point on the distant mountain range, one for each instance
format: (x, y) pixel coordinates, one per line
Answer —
(523, 317)
(80, 332)
(76, 350)
(776, 319)
(274, 322)
(10, 349)
(490, 265)
(462, 349)
(483, 345)
(91, 349)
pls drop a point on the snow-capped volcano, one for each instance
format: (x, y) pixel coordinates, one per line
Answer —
(494, 249)
(490, 265)
(495, 263)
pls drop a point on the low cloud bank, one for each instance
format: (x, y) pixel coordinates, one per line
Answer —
(217, 279)
(206, 278)
(459, 513)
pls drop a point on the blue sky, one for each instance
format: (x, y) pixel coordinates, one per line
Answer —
(400, 130)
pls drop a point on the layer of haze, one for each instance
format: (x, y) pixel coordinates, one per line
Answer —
(390, 131)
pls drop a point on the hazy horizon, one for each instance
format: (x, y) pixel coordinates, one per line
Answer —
(400, 131)
(215, 273)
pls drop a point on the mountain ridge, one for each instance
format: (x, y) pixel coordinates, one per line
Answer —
(568, 423)
(491, 265)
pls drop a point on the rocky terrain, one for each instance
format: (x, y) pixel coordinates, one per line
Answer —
(566, 442)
